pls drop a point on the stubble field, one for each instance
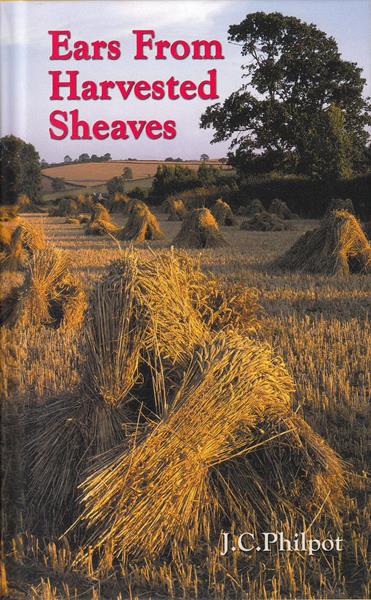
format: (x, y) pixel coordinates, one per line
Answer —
(320, 325)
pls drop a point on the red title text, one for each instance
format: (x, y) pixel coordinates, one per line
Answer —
(69, 84)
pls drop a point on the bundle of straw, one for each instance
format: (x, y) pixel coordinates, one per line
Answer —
(100, 222)
(338, 247)
(50, 295)
(175, 208)
(280, 208)
(165, 289)
(25, 240)
(229, 305)
(142, 225)
(8, 212)
(101, 228)
(176, 463)
(24, 205)
(95, 417)
(159, 490)
(184, 304)
(340, 204)
(116, 326)
(67, 207)
(193, 472)
(119, 202)
(252, 208)
(223, 213)
(264, 221)
(99, 212)
(133, 204)
(199, 230)
(286, 471)
(5, 238)
(63, 436)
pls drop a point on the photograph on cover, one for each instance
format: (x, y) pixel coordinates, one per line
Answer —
(185, 291)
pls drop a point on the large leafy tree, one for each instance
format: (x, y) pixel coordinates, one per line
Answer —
(300, 106)
(20, 170)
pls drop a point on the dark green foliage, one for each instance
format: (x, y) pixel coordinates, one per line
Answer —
(307, 197)
(127, 173)
(175, 179)
(208, 175)
(297, 91)
(137, 193)
(116, 184)
(169, 180)
(328, 145)
(20, 170)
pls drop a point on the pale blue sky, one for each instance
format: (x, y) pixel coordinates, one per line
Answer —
(25, 48)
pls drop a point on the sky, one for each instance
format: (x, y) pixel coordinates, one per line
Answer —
(26, 45)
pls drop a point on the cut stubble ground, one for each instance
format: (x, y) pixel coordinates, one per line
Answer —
(319, 324)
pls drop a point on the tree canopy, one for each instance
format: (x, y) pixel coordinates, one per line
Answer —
(116, 184)
(127, 173)
(174, 179)
(20, 170)
(300, 107)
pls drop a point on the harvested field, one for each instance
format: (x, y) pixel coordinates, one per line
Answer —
(318, 324)
(88, 174)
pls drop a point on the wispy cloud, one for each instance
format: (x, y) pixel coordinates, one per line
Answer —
(27, 23)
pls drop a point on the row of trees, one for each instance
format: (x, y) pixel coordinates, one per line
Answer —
(203, 157)
(170, 180)
(82, 158)
(301, 107)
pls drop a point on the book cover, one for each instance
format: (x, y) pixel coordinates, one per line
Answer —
(184, 299)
